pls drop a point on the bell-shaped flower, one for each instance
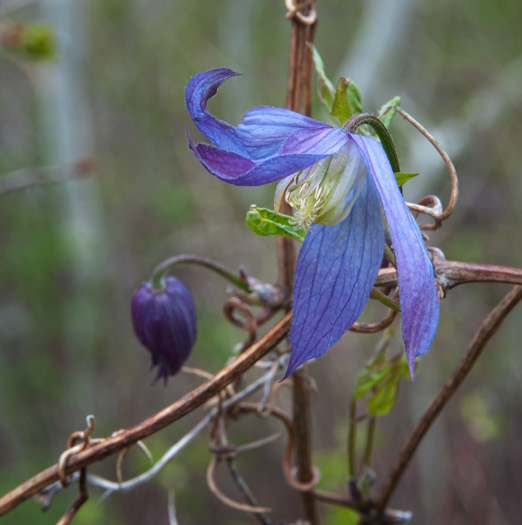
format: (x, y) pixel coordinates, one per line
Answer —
(339, 185)
(164, 321)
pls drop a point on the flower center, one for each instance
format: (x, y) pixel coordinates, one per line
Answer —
(325, 192)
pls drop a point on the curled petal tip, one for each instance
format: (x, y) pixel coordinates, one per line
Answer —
(269, 143)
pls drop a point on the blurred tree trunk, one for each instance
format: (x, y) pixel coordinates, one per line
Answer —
(67, 138)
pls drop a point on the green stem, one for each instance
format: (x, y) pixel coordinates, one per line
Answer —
(166, 266)
(351, 439)
(384, 299)
(390, 255)
(365, 118)
(369, 443)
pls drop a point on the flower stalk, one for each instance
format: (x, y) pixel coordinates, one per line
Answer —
(161, 271)
(380, 129)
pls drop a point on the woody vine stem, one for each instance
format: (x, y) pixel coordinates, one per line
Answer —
(225, 388)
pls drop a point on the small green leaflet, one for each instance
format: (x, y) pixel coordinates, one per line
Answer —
(340, 109)
(347, 101)
(325, 87)
(265, 222)
(403, 177)
(388, 111)
(354, 98)
(380, 378)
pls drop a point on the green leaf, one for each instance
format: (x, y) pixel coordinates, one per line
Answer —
(265, 222)
(354, 98)
(341, 109)
(325, 87)
(388, 111)
(371, 375)
(403, 177)
(347, 101)
(380, 378)
(383, 399)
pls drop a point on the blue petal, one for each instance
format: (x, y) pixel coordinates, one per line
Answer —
(335, 272)
(267, 131)
(200, 89)
(241, 171)
(419, 302)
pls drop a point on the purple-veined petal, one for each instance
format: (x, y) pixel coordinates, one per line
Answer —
(200, 89)
(267, 131)
(326, 141)
(224, 164)
(419, 302)
(241, 171)
(335, 272)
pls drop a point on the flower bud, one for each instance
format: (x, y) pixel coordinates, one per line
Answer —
(164, 321)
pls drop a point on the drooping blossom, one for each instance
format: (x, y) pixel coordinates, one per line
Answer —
(164, 321)
(340, 184)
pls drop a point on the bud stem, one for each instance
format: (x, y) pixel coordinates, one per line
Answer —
(166, 266)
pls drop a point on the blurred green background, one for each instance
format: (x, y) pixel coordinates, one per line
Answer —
(72, 254)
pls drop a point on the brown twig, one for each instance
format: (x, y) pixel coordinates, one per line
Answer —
(373, 328)
(245, 489)
(336, 499)
(288, 469)
(25, 178)
(243, 507)
(299, 98)
(487, 329)
(82, 498)
(249, 322)
(153, 424)
(454, 273)
(451, 273)
(438, 214)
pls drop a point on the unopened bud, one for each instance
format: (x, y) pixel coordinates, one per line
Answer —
(164, 321)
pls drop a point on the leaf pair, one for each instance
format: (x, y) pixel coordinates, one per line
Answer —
(379, 379)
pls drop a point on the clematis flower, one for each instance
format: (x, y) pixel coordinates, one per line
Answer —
(340, 184)
(164, 321)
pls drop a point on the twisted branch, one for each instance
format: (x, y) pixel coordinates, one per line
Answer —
(153, 424)
(449, 274)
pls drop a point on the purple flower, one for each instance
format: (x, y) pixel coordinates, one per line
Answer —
(341, 183)
(165, 323)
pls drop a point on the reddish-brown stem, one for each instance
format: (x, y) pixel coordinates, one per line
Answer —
(453, 273)
(487, 329)
(299, 99)
(82, 498)
(153, 424)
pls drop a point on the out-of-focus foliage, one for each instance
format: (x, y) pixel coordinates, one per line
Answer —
(33, 41)
(72, 255)
(379, 381)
